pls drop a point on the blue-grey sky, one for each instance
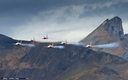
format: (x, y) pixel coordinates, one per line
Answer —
(60, 19)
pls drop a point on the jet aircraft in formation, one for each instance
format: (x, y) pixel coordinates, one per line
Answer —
(65, 42)
(33, 40)
(89, 46)
(50, 46)
(19, 43)
(45, 37)
(108, 45)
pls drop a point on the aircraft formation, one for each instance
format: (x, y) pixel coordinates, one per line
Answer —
(108, 45)
(20, 43)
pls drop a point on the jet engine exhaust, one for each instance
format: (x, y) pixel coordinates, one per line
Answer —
(60, 47)
(77, 44)
(29, 45)
(108, 45)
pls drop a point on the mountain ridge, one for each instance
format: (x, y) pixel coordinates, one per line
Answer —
(70, 63)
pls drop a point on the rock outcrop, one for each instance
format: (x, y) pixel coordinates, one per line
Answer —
(114, 28)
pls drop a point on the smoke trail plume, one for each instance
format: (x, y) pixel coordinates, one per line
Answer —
(77, 44)
(29, 45)
(60, 47)
(108, 45)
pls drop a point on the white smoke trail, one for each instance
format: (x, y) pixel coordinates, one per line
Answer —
(60, 47)
(77, 44)
(29, 45)
(108, 45)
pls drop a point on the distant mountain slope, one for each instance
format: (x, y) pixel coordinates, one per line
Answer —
(70, 63)
(4, 38)
(109, 31)
(5, 42)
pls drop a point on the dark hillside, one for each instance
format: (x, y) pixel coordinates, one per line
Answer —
(70, 63)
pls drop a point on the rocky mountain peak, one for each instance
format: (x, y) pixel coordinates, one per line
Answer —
(110, 30)
(114, 28)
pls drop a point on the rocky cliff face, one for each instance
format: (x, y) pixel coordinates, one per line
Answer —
(109, 31)
(114, 28)
(70, 63)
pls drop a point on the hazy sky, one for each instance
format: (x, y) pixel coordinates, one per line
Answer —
(70, 20)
